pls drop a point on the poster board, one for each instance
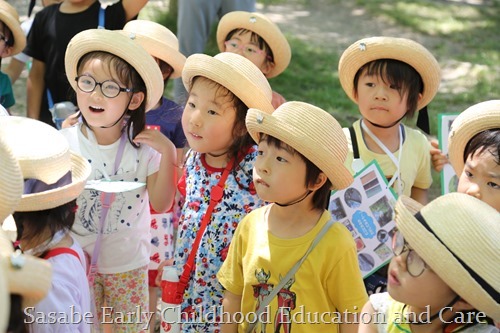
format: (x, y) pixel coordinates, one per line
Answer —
(449, 180)
(366, 208)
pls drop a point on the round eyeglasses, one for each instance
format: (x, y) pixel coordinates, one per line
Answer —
(415, 265)
(109, 88)
(250, 50)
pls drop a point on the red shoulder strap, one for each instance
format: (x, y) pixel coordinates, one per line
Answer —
(216, 194)
(61, 250)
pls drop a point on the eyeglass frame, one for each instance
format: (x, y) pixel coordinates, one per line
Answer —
(120, 89)
(411, 252)
(242, 47)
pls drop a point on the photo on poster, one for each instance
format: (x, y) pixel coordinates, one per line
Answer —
(382, 211)
(371, 184)
(337, 210)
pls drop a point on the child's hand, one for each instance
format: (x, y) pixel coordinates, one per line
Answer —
(164, 263)
(155, 139)
(71, 120)
(438, 159)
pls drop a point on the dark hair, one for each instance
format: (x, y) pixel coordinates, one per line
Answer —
(8, 34)
(322, 195)
(130, 77)
(241, 139)
(255, 38)
(486, 140)
(165, 68)
(31, 225)
(397, 73)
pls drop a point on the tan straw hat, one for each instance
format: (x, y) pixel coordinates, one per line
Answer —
(122, 45)
(159, 42)
(10, 17)
(476, 119)
(458, 236)
(262, 26)
(11, 181)
(43, 155)
(311, 131)
(21, 274)
(374, 48)
(234, 72)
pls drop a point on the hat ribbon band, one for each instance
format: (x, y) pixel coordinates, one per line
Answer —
(485, 285)
(32, 186)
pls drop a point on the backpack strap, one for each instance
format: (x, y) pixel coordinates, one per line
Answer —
(60, 250)
(102, 18)
(354, 142)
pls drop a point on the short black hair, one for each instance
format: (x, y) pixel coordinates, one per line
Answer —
(486, 140)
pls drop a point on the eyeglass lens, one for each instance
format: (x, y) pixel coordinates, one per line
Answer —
(109, 88)
(414, 263)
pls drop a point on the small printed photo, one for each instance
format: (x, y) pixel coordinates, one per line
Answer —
(382, 211)
(382, 236)
(371, 184)
(360, 245)
(366, 262)
(352, 197)
(383, 252)
(337, 209)
(350, 227)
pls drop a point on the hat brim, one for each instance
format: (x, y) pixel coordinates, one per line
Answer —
(239, 77)
(17, 31)
(156, 42)
(11, 181)
(80, 171)
(402, 49)
(442, 261)
(476, 119)
(263, 27)
(304, 141)
(122, 45)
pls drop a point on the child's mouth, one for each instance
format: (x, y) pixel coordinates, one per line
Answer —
(95, 109)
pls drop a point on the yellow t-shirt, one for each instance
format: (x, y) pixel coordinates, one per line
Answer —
(328, 282)
(415, 162)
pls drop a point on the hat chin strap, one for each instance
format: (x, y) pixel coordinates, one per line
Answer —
(437, 314)
(121, 117)
(388, 126)
(295, 201)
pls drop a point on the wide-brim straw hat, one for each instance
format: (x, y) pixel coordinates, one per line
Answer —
(311, 131)
(123, 45)
(262, 26)
(11, 181)
(476, 119)
(408, 51)
(21, 274)
(159, 41)
(234, 72)
(43, 154)
(458, 236)
(10, 17)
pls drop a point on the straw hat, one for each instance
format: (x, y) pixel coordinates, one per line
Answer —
(311, 131)
(43, 154)
(21, 274)
(262, 26)
(9, 16)
(234, 72)
(11, 181)
(474, 120)
(159, 42)
(374, 48)
(458, 236)
(122, 45)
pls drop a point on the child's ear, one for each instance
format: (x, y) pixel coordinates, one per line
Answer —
(267, 67)
(320, 181)
(136, 101)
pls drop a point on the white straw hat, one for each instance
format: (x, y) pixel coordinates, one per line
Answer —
(374, 48)
(311, 131)
(262, 26)
(43, 154)
(476, 119)
(10, 17)
(159, 41)
(21, 274)
(234, 72)
(458, 236)
(122, 45)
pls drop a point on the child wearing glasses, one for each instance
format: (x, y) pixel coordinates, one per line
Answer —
(116, 81)
(444, 276)
(12, 42)
(255, 37)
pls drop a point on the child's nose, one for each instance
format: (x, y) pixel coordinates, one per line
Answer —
(195, 118)
(381, 93)
(474, 190)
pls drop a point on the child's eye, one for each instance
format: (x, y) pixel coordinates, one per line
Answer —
(212, 112)
(191, 105)
(251, 50)
(393, 86)
(281, 159)
(370, 84)
(494, 185)
(468, 174)
(260, 152)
